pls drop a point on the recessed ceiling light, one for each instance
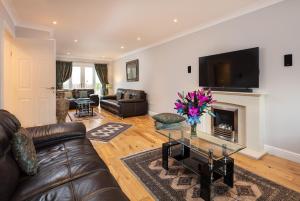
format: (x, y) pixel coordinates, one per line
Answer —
(75, 40)
(138, 38)
(54, 22)
(175, 20)
(68, 53)
(122, 47)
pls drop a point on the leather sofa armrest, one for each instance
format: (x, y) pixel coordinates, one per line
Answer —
(95, 99)
(131, 101)
(54, 133)
(109, 97)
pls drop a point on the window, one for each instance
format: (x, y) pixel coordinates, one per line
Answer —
(84, 76)
(89, 77)
(76, 78)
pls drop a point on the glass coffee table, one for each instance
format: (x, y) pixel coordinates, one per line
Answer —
(84, 107)
(205, 155)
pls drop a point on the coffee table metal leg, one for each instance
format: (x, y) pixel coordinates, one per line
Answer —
(165, 155)
(206, 172)
(229, 167)
(205, 182)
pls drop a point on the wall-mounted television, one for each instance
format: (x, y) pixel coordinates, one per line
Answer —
(231, 71)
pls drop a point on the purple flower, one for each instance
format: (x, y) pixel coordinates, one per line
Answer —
(191, 95)
(203, 99)
(179, 105)
(193, 111)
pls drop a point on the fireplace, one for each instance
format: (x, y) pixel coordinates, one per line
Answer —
(225, 124)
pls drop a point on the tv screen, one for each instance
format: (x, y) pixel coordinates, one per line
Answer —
(239, 69)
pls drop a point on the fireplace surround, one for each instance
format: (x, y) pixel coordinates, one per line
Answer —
(251, 119)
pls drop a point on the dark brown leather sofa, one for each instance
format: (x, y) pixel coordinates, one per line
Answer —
(126, 103)
(89, 95)
(69, 167)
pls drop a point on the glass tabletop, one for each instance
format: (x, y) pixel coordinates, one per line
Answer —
(203, 143)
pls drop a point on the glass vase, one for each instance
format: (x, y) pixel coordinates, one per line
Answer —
(194, 130)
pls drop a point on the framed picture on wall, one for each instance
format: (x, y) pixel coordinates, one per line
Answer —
(132, 71)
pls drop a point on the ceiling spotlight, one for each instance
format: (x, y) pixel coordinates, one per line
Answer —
(54, 22)
(68, 53)
(175, 20)
(138, 38)
(75, 40)
(122, 47)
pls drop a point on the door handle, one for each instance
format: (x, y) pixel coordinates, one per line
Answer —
(51, 88)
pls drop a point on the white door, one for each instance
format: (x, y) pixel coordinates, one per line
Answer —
(35, 81)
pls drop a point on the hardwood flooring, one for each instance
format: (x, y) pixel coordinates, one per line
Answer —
(142, 136)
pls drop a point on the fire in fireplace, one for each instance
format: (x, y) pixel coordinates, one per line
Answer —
(225, 124)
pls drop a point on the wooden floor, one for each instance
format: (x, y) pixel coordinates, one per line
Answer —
(141, 136)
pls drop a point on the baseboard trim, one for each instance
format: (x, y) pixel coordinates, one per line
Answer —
(253, 153)
(151, 113)
(282, 153)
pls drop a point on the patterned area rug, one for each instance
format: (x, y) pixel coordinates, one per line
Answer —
(74, 117)
(107, 131)
(180, 184)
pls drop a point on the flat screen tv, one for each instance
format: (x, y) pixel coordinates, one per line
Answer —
(232, 71)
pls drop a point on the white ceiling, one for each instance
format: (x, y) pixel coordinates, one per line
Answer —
(103, 26)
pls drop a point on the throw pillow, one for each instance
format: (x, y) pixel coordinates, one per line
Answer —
(119, 95)
(168, 118)
(127, 95)
(83, 94)
(161, 126)
(24, 151)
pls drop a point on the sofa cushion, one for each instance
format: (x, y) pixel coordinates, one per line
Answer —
(96, 186)
(127, 95)
(120, 94)
(60, 164)
(83, 94)
(111, 103)
(24, 151)
(76, 92)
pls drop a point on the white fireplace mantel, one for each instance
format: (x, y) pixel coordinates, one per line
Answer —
(252, 107)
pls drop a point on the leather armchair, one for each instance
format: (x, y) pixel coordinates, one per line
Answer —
(69, 168)
(126, 103)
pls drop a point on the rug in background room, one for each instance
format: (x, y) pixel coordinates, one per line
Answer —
(179, 184)
(74, 117)
(107, 131)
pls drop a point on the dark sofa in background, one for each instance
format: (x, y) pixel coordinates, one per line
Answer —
(126, 103)
(76, 93)
(69, 167)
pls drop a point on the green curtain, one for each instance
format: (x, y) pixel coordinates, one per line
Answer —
(63, 73)
(102, 73)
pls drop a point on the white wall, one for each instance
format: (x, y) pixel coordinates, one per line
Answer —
(6, 24)
(276, 30)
